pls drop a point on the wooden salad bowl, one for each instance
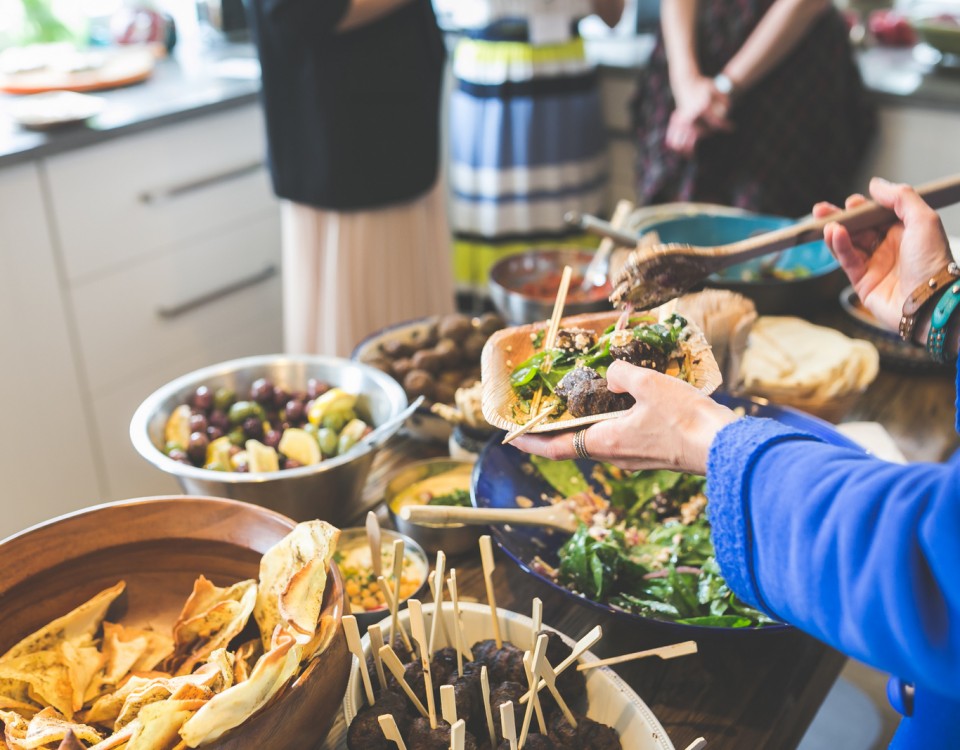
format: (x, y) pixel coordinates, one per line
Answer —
(508, 348)
(159, 546)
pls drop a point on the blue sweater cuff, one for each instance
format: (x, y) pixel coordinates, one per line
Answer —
(733, 455)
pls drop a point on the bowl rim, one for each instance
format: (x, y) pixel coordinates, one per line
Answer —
(400, 470)
(145, 501)
(558, 251)
(140, 436)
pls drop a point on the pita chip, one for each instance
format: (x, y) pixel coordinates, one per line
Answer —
(233, 706)
(81, 624)
(293, 576)
(50, 726)
(159, 724)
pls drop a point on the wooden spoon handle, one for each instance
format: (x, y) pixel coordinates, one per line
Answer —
(546, 515)
(869, 215)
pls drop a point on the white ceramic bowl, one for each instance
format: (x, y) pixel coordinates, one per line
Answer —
(609, 699)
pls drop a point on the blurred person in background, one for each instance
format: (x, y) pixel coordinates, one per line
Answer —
(751, 103)
(526, 130)
(351, 95)
(856, 551)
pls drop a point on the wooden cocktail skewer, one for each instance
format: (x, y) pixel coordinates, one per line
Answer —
(486, 557)
(390, 730)
(538, 415)
(579, 648)
(384, 585)
(537, 617)
(437, 597)
(458, 735)
(352, 632)
(448, 704)
(664, 652)
(419, 632)
(697, 744)
(485, 689)
(443, 619)
(376, 643)
(508, 724)
(550, 677)
(373, 539)
(392, 662)
(535, 663)
(459, 641)
(530, 682)
(397, 574)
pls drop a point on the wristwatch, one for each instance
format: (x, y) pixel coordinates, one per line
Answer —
(723, 84)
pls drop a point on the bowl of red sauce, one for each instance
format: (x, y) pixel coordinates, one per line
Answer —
(524, 287)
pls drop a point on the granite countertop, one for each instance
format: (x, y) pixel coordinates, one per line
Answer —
(208, 80)
(180, 87)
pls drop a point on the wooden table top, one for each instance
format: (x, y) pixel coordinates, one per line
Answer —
(759, 694)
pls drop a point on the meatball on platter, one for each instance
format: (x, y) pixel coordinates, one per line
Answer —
(615, 716)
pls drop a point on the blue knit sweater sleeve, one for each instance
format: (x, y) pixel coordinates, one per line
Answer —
(861, 553)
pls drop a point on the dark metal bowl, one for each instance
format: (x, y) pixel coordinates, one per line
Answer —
(511, 273)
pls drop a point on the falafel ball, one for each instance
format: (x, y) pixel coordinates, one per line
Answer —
(396, 349)
(401, 367)
(473, 346)
(641, 354)
(489, 323)
(427, 359)
(419, 383)
(449, 352)
(455, 326)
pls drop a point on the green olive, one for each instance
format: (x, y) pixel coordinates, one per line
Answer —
(237, 436)
(243, 410)
(336, 420)
(328, 442)
(223, 398)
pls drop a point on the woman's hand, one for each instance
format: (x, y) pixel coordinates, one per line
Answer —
(885, 268)
(701, 110)
(671, 425)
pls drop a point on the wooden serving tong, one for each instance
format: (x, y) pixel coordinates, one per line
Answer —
(654, 274)
(557, 516)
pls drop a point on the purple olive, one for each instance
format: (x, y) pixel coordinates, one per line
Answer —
(202, 399)
(198, 423)
(214, 433)
(219, 420)
(280, 397)
(253, 427)
(272, 438)
(197, 449)
(179, 456)
(316, 388)
(296, 413)
(292, 464)
(242, 468)
(262, 391)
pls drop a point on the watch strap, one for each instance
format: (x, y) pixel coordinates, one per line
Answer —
(942, 313)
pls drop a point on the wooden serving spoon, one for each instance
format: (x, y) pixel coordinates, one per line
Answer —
(652, 275)
(557, 516)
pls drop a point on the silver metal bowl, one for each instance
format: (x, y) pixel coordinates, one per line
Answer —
(510, 274)
(329, 490)
(454, 538)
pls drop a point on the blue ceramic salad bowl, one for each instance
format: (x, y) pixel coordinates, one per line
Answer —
(504, 473)
(801, 281)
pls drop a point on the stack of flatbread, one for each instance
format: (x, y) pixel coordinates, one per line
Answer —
(791, 361)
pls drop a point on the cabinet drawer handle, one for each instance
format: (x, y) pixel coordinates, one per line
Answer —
(175, 311)
(165, 194)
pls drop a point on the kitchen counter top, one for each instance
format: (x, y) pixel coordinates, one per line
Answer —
(182, 86)
(197, 82)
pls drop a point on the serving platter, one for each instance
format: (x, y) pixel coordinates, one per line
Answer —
(506, 349)
(503, 473)
(610, 700)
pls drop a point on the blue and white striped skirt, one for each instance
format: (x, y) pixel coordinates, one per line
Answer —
(528, 145)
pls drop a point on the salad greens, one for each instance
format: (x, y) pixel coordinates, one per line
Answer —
(459, 498)
(532, 374)
(649, 552)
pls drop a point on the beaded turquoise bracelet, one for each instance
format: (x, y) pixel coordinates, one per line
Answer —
(938, 323)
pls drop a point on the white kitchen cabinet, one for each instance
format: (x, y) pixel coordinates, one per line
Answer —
(917, 145)
(47, 458)
(126, 264)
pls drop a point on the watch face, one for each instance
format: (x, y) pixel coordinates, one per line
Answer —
(724, 85)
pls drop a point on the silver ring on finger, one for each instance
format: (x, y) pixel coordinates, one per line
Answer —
(579, 444)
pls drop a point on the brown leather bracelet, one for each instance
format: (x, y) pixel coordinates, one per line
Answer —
(922, 295)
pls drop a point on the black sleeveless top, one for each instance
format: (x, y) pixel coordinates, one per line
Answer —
(352, 118)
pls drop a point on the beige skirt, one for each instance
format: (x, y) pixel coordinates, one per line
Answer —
(349, 274)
